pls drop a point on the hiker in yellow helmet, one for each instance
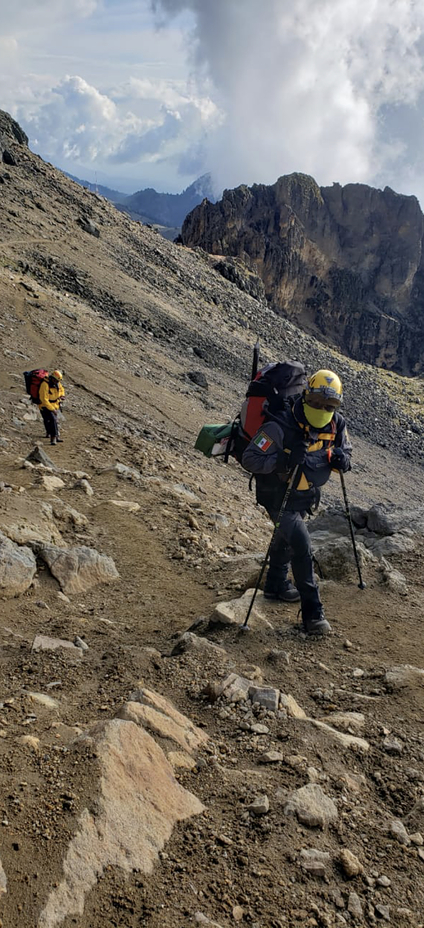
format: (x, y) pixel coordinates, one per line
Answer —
(311, 437)
(51, 395)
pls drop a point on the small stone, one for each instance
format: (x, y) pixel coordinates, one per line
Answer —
(265, 696)
(47, 701)
(260, 805)
(30, 741)
(350, 864)
(383, 881)
(271, 757)
(311, 806)
(383, 911)
(354, 905)
(392, 746)
(275, 656)
(314, 862)
(398, 830)
(292, 707)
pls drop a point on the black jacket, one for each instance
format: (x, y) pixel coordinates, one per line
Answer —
(280, 433)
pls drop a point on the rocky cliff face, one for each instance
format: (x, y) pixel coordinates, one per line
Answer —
(346, 262)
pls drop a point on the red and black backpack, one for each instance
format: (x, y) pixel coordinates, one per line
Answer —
(33, 380)
(270, 389)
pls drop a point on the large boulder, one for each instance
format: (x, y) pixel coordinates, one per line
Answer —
(17, 567)
(79, 568)
(138, 802)
(336, 559)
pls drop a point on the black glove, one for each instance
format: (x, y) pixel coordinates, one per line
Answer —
(340, 460)
(298, 453)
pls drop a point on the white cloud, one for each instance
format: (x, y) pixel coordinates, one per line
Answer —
(245, 88)
(86, 126)
(21, 14)
(304, 82)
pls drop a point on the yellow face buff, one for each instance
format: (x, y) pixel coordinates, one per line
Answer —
(318, 418)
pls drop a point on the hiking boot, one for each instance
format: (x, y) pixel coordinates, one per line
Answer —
(316, 625)
(283, 591)
(53, 441)
(59, 439)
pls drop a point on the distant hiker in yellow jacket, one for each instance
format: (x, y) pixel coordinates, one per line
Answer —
(51, 396)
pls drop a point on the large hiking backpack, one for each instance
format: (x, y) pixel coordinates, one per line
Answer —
(33, 380)
(274, 386)
(270, 389)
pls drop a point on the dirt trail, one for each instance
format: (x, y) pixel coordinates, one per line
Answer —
(196, 540)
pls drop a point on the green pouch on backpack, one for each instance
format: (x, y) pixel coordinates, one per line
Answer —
(212, 440)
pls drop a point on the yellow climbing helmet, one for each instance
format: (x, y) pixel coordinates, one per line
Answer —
(57, 375)
(325, 384)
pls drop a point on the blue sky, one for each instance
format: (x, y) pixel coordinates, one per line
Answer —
(155, 93)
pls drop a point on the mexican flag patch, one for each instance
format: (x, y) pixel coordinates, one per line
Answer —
(263, 442)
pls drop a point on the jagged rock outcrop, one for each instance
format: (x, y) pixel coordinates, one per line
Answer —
(10, 132)
(346, 262)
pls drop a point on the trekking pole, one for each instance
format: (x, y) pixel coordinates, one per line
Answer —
(255, 361)
(290, 483)
(361, 583)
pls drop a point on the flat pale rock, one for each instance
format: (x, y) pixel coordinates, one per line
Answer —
(43, 643)
(234, 611)
(17, 568)
(343, 739)
(161, 717)
(162, 725)
(28, 524)
(30, 741)
(352, 722)
(79, 568)
(125, 504)
(406, 675)
(179, 760)
(138, 803)
(3, 881)
(271, 757)
(292, 707)
(235, 688)
(314, 861)
(50, 482)
(190, 642)
(43, 700)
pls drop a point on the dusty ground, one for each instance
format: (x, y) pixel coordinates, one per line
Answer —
(194, 542)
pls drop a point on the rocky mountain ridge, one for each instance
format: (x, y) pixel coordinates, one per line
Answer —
(159, 767)
(165, 211)
(346, 263)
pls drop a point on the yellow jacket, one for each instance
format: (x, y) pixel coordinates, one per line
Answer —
(50, 397)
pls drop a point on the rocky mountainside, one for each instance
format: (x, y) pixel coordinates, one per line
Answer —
(115, 196)
(159, 767)
(346, 263)
(165, 211)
